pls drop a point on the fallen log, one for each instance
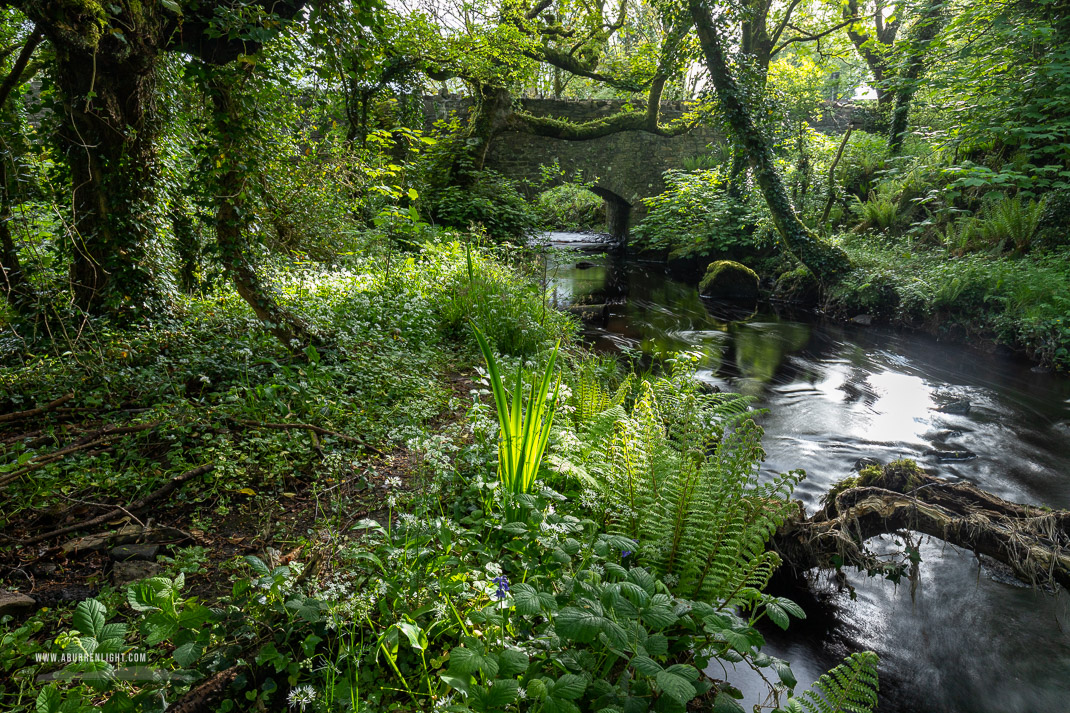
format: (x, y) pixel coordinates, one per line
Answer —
(900, 497)
(136, 506)
(19, 415)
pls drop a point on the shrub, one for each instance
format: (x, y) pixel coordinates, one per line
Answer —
(487, 199)
(570, 207)
(696, 216)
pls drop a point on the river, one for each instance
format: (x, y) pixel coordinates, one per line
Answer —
(966, 639)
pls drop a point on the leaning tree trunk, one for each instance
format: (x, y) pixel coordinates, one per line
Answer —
(928, 26)
(1034, 542)
(231, 125)
(825, 261)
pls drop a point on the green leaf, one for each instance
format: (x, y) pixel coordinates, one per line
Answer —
(460, 683)
(495, 697)
(172, 6)
(659, 617)
(676, 687)
(724, 703)
(578, 625)
(570, 687)
(258, 565)
(89, 618)
(681, 669)
(777, 614)
(783, 670)
(512, 662)
(187, 654)
(526, 599)
(49, 700)
(646, 665)
(657, 645)
(466, 661)
(416, 636)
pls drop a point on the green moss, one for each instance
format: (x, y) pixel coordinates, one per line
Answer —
(799, 285)
(838, 487)
(726, 279)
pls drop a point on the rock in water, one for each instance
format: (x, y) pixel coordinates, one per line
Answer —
(728, 280)
(956, 408)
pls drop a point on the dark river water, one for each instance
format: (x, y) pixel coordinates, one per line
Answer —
(965, 640)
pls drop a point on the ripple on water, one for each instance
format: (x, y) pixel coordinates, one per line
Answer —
(963, 643)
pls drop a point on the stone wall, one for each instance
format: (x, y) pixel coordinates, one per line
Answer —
(624, 167)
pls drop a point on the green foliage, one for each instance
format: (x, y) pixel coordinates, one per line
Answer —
(851, 687)
(1021, 301)
(680, 476)
(570, 206)
(454, 194)
(524, 432)
(880, 211)
(1005, 224)
(697, 216)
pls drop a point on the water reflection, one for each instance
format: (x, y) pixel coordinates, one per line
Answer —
(965, 641)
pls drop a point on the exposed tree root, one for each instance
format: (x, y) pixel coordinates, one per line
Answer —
(900, 497)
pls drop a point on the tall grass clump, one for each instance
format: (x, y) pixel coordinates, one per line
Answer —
(523, 432)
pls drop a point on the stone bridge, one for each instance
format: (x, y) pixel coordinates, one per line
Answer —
(624, 167)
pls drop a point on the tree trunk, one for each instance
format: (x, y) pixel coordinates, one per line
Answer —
(928, 26)
(13, 281)
(109, 139)
(1034, 542)
(825, 261)
(493, 107)
(232, 217)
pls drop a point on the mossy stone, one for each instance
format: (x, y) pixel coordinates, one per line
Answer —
(728, 280)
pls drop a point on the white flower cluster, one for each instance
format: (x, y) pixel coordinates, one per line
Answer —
(302, 696)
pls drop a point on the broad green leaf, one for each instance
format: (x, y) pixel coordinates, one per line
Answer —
(646, 665)
(512, 662)
(578, 625)
(676, 687)
(570, 687)
(89, 618)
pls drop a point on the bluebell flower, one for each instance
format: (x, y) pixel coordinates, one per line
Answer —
(503, 586)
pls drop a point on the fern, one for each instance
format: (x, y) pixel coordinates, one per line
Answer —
(851, 687)
(680, 475)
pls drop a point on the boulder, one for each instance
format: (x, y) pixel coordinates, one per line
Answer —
(14, 603)
(728, 280)
(134, 570)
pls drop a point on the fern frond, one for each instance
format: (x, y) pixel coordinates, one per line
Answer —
(851, 687)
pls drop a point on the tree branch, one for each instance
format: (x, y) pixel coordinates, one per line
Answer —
(14, 77)
(812, 37)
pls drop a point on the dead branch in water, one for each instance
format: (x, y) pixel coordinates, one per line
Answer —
(1034, 542)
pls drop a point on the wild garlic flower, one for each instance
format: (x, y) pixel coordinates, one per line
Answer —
(302, 696)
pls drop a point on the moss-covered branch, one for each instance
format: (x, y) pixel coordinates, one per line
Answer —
(899, 497)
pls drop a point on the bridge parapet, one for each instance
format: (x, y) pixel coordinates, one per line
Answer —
(623, 168)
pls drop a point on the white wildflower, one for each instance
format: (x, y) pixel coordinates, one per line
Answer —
(302, 696)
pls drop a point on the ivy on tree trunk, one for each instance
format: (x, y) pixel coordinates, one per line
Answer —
(826, 261)
(234, 181)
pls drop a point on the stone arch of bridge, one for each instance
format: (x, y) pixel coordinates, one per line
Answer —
(618, 211)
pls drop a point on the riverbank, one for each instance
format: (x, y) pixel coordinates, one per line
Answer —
(197, 513)
(1017, 304)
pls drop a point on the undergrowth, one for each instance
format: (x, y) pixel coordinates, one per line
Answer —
(456, 595)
